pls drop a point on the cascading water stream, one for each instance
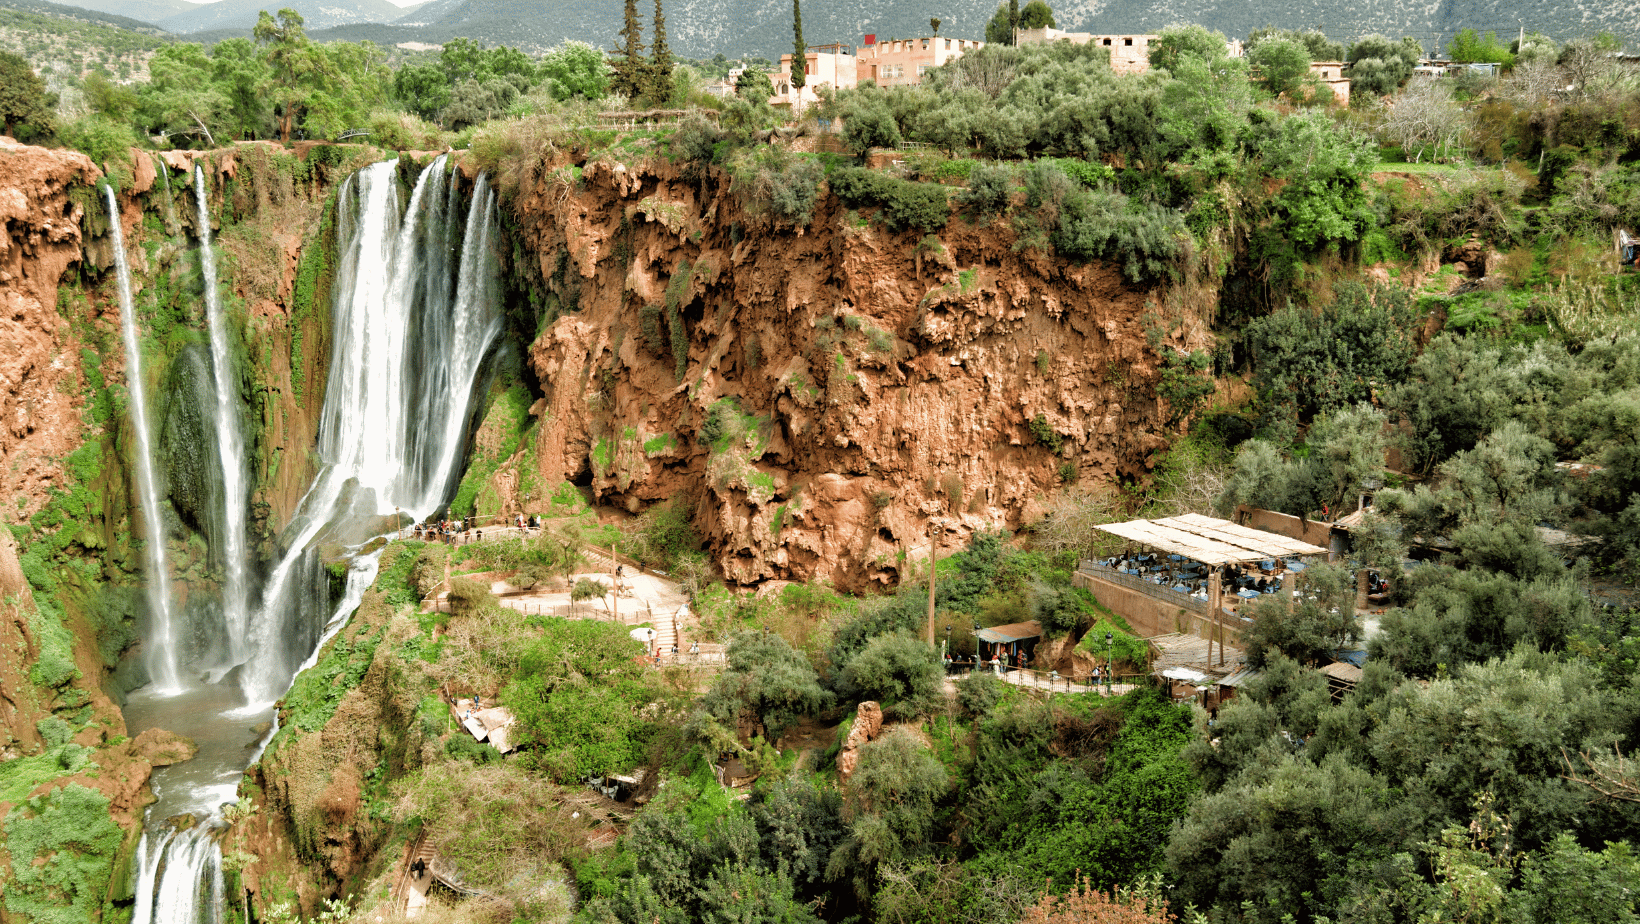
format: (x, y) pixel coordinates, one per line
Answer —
(408, 342)
(229, 440)
(415, 312)
(160, 652)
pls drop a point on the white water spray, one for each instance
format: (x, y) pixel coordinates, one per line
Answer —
(160, 652)
(229, 441)
(408, 341)
(180, 879)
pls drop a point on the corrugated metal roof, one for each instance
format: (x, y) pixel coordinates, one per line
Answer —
(1355, 656)
(1240, 677)
(1013, 632)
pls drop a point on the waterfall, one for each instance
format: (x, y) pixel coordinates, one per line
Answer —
(179, 880)
(229, 441)
(415, 312)
(159, 652)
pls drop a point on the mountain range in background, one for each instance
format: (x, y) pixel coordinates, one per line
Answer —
(242, 14)
(703, 28)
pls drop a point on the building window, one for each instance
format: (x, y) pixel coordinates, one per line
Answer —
(922, 69)
(1127, 41)
(947, 44)
(1107, 41)
(925, 44)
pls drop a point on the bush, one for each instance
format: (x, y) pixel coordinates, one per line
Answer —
(990, 187)
(578, 696)
(897, 670)
(468, 596)
(905, 205)
(1146, 240)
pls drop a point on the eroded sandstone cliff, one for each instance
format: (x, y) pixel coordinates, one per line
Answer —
(830, 390)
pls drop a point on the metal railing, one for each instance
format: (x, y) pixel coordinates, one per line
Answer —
(1134, 582)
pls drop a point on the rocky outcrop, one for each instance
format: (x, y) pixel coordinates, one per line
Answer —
(823, 393)
(868, 724)
(41, 388)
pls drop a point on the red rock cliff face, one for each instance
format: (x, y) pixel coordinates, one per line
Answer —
(882, 379)
(40, 381)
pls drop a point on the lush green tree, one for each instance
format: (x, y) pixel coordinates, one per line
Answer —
(1308, 628)
(1454, 396)
(1282, 837)
(1325, 167)
(182, 97)
(1179, 41)
(1469, 47)
(1312, 362)
(576, 69)
(999, 30)
(579, 696)
(868, 123)
(628, 65)
(241, 76)
(1280, 65)
(660, 63)
(423, 89)
(1464, 616)
(1379, 66)
(754, 86)
(767, 680)
(25, 106)
(291, 59)
(1036, 15)
(890, 806)
(473, 103)
(800, 823)
(800, 49)
(1316, 45)
(897, 670)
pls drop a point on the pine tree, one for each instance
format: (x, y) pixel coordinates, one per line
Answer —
(629, 67)
(660, 65)
(800, 51)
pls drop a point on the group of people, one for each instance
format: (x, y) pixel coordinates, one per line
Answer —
(446, 530)
(1001, 662)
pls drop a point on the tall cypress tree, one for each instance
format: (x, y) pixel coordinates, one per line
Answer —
(660, 67)
(1013, 22)
(629, 67)
(800, 51)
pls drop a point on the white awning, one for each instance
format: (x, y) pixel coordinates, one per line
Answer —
(1209, 540)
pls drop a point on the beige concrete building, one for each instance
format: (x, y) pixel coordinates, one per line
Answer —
(836, 68)
(1129, 54)
(903, 62)
(1331, 73)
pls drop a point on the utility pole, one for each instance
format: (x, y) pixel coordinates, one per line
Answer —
(614, 586)
(934, 529)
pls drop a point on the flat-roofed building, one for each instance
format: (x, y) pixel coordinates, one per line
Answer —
(1129, 54)
(832, 66)
(903, 62)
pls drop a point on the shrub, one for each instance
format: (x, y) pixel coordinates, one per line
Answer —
(905, 205)
(898, 671)
(990, 187)
(1046, 434)
(790, 188)
(468, 596)
(578, 696)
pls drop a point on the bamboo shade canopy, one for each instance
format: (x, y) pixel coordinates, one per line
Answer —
(1209, 540)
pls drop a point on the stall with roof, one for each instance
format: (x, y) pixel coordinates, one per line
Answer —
(1008, 642)
(1203, 568)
